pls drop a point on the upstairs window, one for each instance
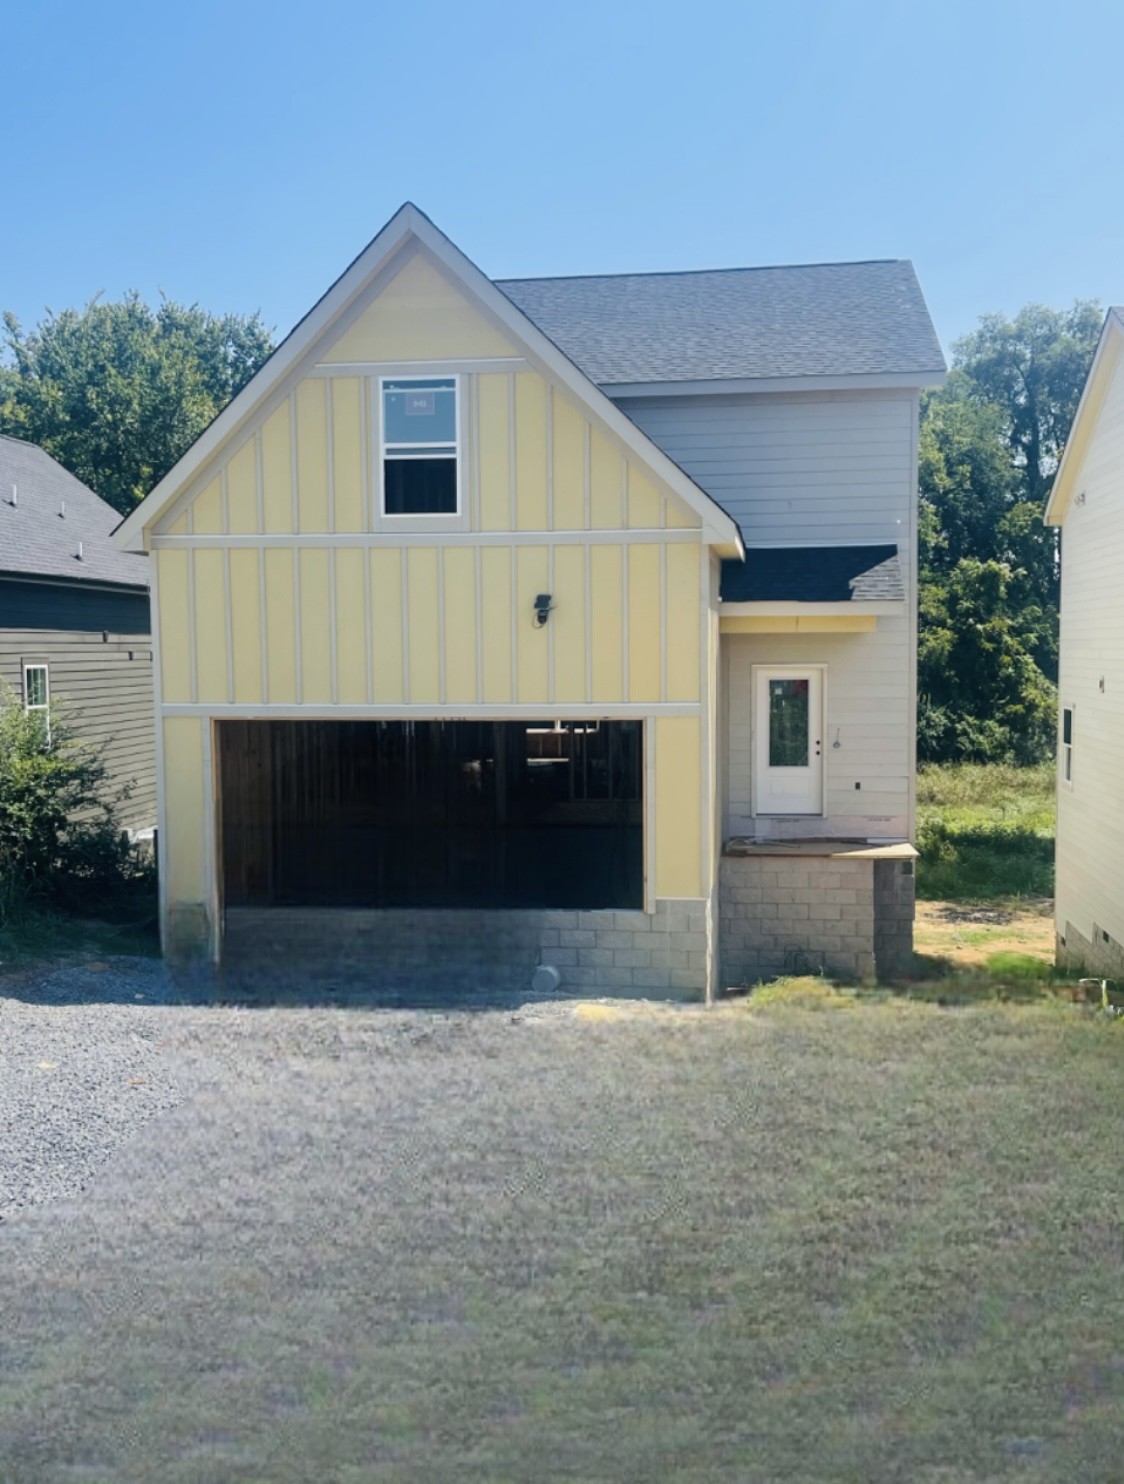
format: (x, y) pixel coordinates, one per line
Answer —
(1067, 744)
(420, 446)
(37, 693)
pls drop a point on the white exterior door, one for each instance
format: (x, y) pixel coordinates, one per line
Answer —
(788, 770)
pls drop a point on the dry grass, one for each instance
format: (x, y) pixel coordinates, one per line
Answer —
(811, 1236)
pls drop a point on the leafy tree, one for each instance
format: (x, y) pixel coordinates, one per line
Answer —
(118, 391)
(967, 483)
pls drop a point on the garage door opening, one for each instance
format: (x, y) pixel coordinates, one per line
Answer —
(432, 814)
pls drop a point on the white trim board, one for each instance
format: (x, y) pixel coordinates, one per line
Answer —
(430, 711)
(739, 386)
(409, 231)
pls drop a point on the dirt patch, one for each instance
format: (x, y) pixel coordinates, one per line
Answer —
(969, 935)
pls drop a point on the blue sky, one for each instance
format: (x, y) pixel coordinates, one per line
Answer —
(240, 154)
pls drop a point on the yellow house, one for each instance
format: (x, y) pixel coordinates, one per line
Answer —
(443, 649)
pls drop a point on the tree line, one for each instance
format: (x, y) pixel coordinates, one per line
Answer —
(118, 391)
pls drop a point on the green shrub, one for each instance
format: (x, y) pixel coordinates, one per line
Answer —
(60, 843)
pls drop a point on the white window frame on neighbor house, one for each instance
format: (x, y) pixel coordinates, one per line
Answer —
(437, 520)
(1067, 746)
(29, 666)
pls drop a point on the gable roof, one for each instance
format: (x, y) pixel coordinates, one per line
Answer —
(36, 541)
(814, 574)
(1105, 361)
(409, 230)
(735, 324)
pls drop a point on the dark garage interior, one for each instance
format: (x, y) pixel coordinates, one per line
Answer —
(489, 814)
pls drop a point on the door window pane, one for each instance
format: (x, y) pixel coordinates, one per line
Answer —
(788, 723)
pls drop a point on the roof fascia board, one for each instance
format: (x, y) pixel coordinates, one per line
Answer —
(794, 608)
(903, 381)
(1084, 419)
(45, 579)
(285, 360)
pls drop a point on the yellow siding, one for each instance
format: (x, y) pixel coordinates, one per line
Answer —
(567, 624)
(493, 393)
(644, 623)
(351, 626)
(245, 612)
(242, 490)
(206, 510)
(680, 518)
(210, 625)
(569, 465)
(606, 484)
(185, 808)
(277, 471)
(177, 527)
(422, 628)
(386, 626)
(315, 627)
(419, 316)
(607, 638)
(683, 601)
(460, 625)
(530, 452)
(643, 501)
(678, 807)
(175, 640)
(496, 610)
(347, 447)
(280, 624)
(312, 455)
(532, 643)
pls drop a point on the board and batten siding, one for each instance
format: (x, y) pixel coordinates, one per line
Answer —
(96, 645)
(1090, 832)
(816, 468)
(281, 592)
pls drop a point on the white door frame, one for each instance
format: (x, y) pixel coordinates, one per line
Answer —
(781, 669)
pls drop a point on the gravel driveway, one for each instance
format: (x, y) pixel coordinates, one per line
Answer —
(300, 1243)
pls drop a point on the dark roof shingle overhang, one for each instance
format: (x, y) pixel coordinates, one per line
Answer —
(814, 574)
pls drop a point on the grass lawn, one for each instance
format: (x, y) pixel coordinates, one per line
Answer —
(809, 1236)
(985, 832)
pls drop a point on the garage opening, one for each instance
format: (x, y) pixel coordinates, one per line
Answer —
(431, 814)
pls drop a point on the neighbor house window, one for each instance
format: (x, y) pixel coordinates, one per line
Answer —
(420, 445)
(1067, 744)
(37, 692)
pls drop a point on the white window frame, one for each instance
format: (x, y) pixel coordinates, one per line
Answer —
(44, 706)
(446, 520)
(1066, 748)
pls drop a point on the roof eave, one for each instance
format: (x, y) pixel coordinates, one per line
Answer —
(733, 386)
(1092, 395)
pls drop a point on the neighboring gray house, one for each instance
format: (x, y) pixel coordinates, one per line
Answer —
(74, 618)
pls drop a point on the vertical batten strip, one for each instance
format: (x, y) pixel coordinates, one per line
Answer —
(294, 477)
(298, 658)
(330, 452)
(475, 495)
(208, 825)
(586, 479)
(368, 629)
(333, 641)
(513, 589)
(550, 628)
(259, 483)
(264, 632)
(663, 621)
(649, 814)
(404, 584)
(625, 625)
(479, 604)
(624, 493)
(550, 478)
(191, 624)
(512, 491)
(224, 502)
(228, 614)
(441, 624)
(588, 615)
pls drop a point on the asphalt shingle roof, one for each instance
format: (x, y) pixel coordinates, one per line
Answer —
(814, 574)
(827, 319)
(35, 540)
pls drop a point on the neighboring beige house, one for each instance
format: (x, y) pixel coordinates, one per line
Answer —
(575, 614)
(1087, 503)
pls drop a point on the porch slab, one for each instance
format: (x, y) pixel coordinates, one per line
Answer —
(860, 850)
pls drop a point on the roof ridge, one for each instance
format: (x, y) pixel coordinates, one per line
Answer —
(697, 272)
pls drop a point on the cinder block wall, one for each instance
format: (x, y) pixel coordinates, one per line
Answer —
(666, 953)
(795, 915)
(895, 885)
(1100, 956)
